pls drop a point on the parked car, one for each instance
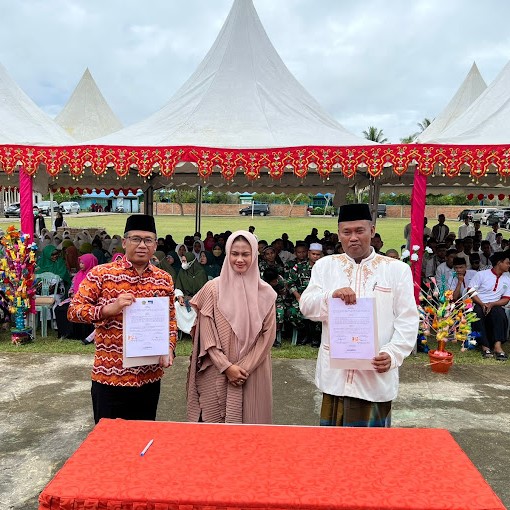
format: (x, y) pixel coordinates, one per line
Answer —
(466, 213)
(482, 213)
(45, 206)
(381, 211)
(258, 209)
(13, 210)
(70, 207)
(502, 216)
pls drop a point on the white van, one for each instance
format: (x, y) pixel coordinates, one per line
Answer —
(70, 207)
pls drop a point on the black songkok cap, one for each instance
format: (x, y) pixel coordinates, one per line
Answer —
(140, 222)
(354, 212)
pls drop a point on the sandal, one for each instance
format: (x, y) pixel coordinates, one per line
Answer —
(487, 354)
(500, 356)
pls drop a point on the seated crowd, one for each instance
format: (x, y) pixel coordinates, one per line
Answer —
(457, 263)
(467, 261)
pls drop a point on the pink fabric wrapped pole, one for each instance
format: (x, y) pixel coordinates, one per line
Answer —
(418, 200)
(26, 203)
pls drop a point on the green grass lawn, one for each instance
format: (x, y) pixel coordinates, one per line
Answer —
(267, 228)
(52, 345)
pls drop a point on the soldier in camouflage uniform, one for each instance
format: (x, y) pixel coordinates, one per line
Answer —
(301, 253)
(279, 285)
(269, 260)
(297, 282)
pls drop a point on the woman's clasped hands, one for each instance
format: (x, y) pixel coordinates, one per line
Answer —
(236, 375)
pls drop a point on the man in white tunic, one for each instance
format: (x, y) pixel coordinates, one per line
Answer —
(362, 397)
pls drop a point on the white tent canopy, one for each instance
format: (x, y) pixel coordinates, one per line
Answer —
(487, 120)
(471, 88)
(87, 115)
(22, 121)
(241, 96)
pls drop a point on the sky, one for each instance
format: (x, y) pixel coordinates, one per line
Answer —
(383, 63)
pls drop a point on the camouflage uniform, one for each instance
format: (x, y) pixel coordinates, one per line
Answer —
(281, 297)
(298, 280)
(263, 265)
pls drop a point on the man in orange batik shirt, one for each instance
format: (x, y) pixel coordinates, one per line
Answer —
(118, 392)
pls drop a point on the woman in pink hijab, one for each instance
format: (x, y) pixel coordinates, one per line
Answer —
(230, 378)
(86, 262)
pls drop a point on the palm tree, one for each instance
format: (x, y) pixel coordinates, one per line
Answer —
(374, 134)
(424, 124)
(408, 139)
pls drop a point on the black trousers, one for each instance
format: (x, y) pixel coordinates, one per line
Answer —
(67, 329)
(492, 327)
(126, 402)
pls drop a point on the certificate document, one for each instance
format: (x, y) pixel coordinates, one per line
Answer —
(146, 334)
(352, 333)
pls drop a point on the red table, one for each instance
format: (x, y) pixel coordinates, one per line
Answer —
(198, 466)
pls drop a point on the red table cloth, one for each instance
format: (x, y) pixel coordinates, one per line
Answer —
(207, 467)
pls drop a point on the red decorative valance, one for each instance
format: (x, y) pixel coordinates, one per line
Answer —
(231, 162)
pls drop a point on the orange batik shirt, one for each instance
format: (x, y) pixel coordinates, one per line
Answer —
(101, 287)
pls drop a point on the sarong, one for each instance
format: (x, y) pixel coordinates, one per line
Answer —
(354, 412)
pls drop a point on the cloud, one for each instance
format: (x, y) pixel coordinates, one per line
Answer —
(388, 64)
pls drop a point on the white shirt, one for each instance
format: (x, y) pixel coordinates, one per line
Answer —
(490, 287)
(431, 266)
(390, 282)
(444, 276)
(491, 237)
(466, 231)
(470, 273)
(485, 262)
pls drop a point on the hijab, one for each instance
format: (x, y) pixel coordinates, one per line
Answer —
(191, 280)
(201, 249)
(220, 258)
(211, 268)
(244, 299)
(170, 243)
(71, 255)
(89, 261)
(45, 241)
(164, 264)
(58, 267)
(177, 259)
(86, 248)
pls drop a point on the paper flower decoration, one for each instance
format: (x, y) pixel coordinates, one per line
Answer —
(17, 271)
(448, 319)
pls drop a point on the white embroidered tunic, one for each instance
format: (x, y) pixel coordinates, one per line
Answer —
(390, 282)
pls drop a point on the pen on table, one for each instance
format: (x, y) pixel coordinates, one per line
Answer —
(144, 451)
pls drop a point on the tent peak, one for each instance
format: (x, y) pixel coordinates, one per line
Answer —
(241, 95)
(87, 115)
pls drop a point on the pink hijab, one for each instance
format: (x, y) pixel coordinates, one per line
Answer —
(89, 261)
(244, 299)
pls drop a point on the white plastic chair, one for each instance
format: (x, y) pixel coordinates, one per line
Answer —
(45, 301)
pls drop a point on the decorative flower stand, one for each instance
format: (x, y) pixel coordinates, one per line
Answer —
(20, 334)
(440, 359)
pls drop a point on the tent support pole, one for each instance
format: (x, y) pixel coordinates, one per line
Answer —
(418, 201)
(26, 201)
(148, 196)
(198, 209)
(375, 190)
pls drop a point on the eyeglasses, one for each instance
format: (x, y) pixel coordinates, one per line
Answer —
(148, 241)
